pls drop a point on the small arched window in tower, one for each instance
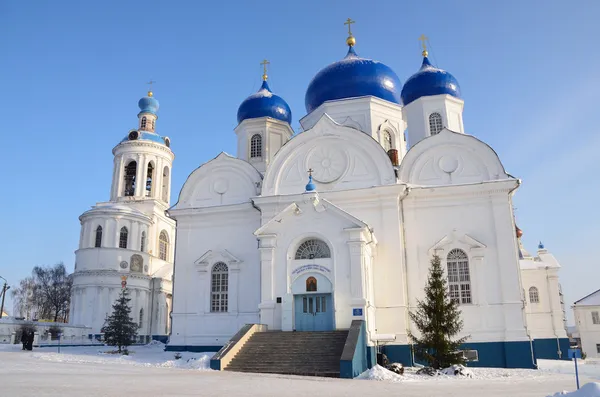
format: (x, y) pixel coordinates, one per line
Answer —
(152, 125)
(534, 295)
(435, 123)
(98, 242)
(149, 177)
(141, 318)
(219, 288)
(130, 176)
(123, 234)
(459, 279)
(163, 245)
(143, 123)
(387, 141)
(143, 242)
(311, 284)
(165, 185)
(313, 249)
(256, 146)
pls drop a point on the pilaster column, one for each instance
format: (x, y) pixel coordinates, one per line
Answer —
(140, 180)
(119, 177)
(267, 246)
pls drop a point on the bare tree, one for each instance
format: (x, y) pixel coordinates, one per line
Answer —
(52, 291)
(23, 299)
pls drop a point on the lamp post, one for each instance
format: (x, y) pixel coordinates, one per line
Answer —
(5, 288)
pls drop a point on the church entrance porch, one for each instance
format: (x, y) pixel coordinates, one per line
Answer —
(313, 312)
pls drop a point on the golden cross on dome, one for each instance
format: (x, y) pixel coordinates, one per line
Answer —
(264, 64)
(349, 22)
(150, 84)
(423, 39)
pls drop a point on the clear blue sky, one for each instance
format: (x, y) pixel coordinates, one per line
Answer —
(71, 73)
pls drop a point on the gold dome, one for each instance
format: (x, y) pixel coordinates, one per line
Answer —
(351, 41)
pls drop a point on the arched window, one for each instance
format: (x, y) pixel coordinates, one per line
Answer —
(165, 185)
(149, 177)
(435, 123)
(123, 237)
(152, 125)
(143, 242)
(141, 318)
(143, 123)
(130, 174)
(98, 237)
(219, 288)
(313, 249)
(311, 284)
(387, 141)
(255, 146)
(163, 245)
(459, 280)
(534, 295)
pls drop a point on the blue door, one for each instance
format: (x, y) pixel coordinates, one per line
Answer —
(313, 312)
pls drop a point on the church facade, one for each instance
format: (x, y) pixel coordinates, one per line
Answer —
(309, 231)
(127, 241)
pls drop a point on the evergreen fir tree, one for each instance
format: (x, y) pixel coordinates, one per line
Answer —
(120, 330)
(438, 319)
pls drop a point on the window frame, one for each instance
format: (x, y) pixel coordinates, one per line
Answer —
(163, 245)
(98, 237)
(123, 241)
(596, 318)
(458, 271)
(256, 147)
(313, 248)
(534, 294)
(388, 141)
(219, 288)
(436, 123)
(143, 241)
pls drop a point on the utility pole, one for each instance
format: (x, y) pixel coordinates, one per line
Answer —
(5, 288)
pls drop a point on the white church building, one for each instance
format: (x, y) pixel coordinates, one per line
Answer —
(309, 231)
(127, 241)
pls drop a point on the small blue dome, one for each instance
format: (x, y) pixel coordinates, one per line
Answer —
(310, 186)
(352, 77)
(148, 104)
(264, 104)
(429, 81)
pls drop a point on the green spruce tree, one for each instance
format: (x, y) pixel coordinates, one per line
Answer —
(438, 320)
(120, 329)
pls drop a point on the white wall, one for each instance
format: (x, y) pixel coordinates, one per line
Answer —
(588, 331)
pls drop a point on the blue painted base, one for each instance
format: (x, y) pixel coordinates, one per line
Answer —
(491, 354)
(193, 349)
(551, 349)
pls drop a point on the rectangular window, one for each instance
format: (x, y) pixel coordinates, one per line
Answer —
(304, 305)
(598, 348)
(323, 306)
(595, 318)
(318, 304)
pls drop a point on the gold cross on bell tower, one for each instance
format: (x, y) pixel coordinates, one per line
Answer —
(351, 41)
(150, 89)
(423, 39)
(264, 64)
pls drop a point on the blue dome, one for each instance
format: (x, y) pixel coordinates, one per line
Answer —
(264, 104)
(428, 81)
(350, 78)
(148, 104)
(146, 136)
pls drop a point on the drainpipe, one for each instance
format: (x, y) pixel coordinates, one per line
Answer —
(406, 315)
(559, 352)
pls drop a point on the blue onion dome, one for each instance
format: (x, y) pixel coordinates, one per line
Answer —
(264, 104)
(352, 77)
(429, 81)
(148, 104)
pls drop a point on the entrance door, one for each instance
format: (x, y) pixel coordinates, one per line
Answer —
(313, 312)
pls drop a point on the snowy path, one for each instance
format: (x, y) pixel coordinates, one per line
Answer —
(44, 373)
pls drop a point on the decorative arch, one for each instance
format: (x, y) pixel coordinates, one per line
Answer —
(163, 245)
(534, 295)
(313, 249)
(123, 237)
(435, 123)
(256, 146)
(98, 237)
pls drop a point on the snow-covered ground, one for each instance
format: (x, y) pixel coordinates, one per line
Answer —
(89, 371)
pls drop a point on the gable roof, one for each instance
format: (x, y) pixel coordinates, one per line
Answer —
(592, 299)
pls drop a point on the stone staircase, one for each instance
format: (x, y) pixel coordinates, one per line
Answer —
(291, 353)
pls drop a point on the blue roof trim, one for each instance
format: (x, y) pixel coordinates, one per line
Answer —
(353, 77)
(429, 81)
(146, 136)
(264, 104)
